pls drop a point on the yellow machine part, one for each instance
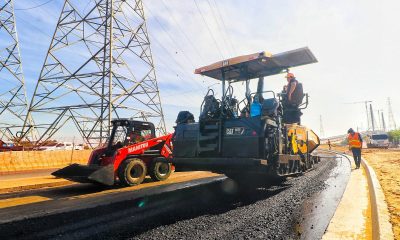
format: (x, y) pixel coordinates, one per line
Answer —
(295, 145)
(307, 140)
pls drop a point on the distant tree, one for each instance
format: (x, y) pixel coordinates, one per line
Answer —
(394, 136)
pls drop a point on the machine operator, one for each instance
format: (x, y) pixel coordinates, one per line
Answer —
(292, 98)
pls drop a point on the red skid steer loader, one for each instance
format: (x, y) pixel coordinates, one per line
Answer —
(131, 152)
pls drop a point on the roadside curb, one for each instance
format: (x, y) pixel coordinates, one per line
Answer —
(382, 228)
(380, 216)
(26, 171)
(34, 186)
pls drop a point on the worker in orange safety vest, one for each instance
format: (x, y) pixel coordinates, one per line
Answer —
(355, 145)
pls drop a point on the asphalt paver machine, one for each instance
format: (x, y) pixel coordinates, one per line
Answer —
(230, 139)
(131, 152)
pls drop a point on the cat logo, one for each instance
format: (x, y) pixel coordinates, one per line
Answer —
(234, 131)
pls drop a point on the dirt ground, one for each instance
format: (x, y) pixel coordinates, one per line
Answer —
(386, 163)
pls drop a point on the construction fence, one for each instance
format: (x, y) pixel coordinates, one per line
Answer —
(20, 161)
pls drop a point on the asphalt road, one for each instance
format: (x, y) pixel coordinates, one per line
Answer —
(212, 208)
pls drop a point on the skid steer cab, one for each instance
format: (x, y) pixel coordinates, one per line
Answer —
(131, 152)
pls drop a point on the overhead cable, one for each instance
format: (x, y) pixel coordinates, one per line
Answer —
(37, 6)
(208, 28)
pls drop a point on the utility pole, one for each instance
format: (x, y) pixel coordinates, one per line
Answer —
(98, 67)
(13, 103)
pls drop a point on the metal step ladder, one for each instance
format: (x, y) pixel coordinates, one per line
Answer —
(209, 138)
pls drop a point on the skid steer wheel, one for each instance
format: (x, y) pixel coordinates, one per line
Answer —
(132, 172)
(160, 171)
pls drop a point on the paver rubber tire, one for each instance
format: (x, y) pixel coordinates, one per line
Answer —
(132, 171)
(160, 171)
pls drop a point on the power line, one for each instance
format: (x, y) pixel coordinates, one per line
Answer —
(177, 63)
(164, 63)
(37, 28)
(167, 66)
(40, 30)
(189, 94)
(37, 6)
(180, 78)
(219, 27)
(169, 35)
(102, 85)
(208, 28)
(222, 28)
(225, 28)
(166, 50)
(183, 32)
(159, 43)
(201, 88)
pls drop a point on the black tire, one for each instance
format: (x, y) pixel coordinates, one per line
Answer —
(132, 171)
(160, 171)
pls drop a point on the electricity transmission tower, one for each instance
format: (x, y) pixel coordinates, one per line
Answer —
(383, 122)
(372, 117)
(321, 127)
(392, 122)
(369, 120)
(13, 104)
(98, 67)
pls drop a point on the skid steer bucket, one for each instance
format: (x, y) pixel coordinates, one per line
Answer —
(87, 174)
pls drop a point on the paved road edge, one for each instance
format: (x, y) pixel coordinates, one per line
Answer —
(35, 186)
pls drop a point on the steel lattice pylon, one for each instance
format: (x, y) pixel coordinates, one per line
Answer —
(13, 104)
(98, 67)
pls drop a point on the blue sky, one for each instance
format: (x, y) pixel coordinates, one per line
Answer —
(356, 43)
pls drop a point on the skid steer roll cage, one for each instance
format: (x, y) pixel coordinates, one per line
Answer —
(131, 126)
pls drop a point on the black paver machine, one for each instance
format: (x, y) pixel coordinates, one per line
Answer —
(231, 137)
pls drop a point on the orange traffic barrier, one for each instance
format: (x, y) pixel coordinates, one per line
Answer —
(19, 161)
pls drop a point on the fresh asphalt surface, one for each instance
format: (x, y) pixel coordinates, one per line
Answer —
(299, 208)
